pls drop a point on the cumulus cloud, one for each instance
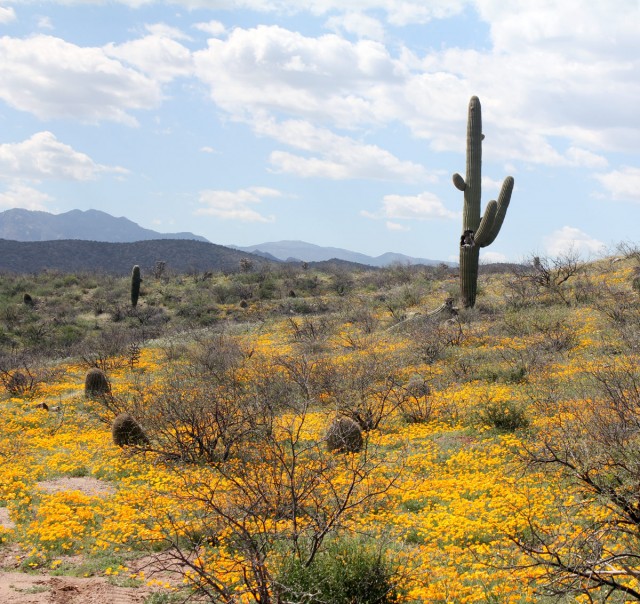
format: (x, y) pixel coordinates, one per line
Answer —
(326, 79)
(425, 206)
(51, 78)
(236, 205)
(19, 195)
(214, 28)
(622, 184)
(336, 157)
(570, 239)
(158, 55)
(43, 156)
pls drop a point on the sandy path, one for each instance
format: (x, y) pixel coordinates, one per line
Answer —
(21, 588)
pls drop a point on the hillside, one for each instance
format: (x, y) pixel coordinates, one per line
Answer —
(465, 455)
(70, 256)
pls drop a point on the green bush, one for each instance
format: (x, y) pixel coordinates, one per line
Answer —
(348, 572)
(505, 416)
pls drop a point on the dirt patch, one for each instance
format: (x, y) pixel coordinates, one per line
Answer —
(20, 588)
(85, 484)
(5, 520)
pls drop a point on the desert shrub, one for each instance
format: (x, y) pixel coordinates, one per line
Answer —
(416, 405)
(365, 386)
(348, 571)
(344, 436)
(126, 431)
(96, 383)
(17, 383)
(432, 336)
(506, 416)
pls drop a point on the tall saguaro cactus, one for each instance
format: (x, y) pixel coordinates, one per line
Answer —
(477, 231)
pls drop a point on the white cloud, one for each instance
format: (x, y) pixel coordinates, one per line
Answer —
(158, 55)
(162, 30)
(7, 14)
(45, 23)
(336, 157)
(43, 156)
(236, 205)
(52, 78)
(326, 79)
(357, 23)
(214, 28)
(568, 239)
(623, 184)
(396, 226)
(492, 257)
(424, 206)
(19, 195)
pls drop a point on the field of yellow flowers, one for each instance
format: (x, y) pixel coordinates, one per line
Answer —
(444, 486)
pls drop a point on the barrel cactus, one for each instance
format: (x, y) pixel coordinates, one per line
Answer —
(135, 285)
(96, 383)
(477, 231)
(126, 431)
(344, 436)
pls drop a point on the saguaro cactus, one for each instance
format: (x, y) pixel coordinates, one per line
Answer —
(135, 285)
(477, 231)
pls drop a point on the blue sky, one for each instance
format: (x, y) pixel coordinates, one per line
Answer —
(337, 122)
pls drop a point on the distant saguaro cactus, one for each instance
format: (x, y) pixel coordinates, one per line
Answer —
(477, 231)
(135, 285)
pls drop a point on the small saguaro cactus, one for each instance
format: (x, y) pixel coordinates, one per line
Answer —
(477, 231)
(135, 285)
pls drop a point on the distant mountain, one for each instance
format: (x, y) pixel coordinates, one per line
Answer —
(72, 255)
(308, 252)
(89, 225)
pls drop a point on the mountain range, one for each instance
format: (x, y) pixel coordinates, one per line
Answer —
(90, 225)
(94, 225)
(297, 251)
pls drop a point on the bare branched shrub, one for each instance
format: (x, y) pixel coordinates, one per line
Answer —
(591, 445)
(432, 336)
(108, 349)
(366, 387)
(235, 522)
(543, 278)
(311, 332)
(416, 405)
(22, 372)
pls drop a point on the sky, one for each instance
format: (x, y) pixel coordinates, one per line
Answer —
(336, 122)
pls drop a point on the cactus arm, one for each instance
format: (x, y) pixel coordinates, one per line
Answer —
(458, 182)
(503, 204)
(486, 224)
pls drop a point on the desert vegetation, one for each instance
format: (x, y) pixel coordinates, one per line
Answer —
(283, 434)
